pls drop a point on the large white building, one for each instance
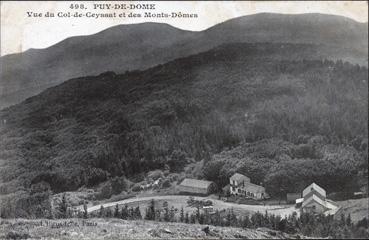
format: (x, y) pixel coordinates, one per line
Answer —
(240, 185)
(314, 200)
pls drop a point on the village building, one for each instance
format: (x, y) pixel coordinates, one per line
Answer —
(291, 197)
(314, 189)
(314, 201)
(197, 187)
(240, 185)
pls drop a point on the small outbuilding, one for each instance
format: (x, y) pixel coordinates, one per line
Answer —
(292, 197)
(196, 187)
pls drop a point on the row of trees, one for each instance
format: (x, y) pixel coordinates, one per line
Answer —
(306, 224)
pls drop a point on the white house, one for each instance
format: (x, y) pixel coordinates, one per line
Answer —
(240, 185)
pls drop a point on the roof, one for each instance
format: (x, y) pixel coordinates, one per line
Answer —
(240, 177)
(315, 187)
(294, 195)
(226, 187)
(254, 188)
(316, 199)
(299, 200)
(189, 182)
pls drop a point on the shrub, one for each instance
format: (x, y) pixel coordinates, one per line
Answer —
(166, 183)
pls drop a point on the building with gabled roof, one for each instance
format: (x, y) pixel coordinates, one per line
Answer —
(292, 197)
(314, 189)
(314, 204)
(238, 178)
(314, 200)
(195, 186)
(240, 185)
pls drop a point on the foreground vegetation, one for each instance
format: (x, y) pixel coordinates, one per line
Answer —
(306, 224)
(113, 228)
(269, 111)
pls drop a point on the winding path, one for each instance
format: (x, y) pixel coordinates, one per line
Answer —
(282, 210)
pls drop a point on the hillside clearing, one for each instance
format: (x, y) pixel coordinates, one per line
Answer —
(357, 208)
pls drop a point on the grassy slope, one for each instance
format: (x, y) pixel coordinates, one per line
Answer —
(357, 208)
(122, 229)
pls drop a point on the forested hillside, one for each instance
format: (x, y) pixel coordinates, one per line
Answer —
(277, 112)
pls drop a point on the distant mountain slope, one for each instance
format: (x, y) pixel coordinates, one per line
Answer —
(88, 129)
(140, 46)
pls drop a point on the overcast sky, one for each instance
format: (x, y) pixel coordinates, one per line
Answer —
(19, 32)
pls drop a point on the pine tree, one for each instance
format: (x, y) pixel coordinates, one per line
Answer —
(193, 218)
(198, 213)
(151, 213)
(166, 212)
(102, 211)
(182, 217)
(116, 211)
(130, 214)
(108, 213)
(246, 222)
(217, 218)
(342, 220)
(234, 220)
(172, 214)
(348, 220)
(187, 219)
(85, 213)
(138, 213)
(63, 207)
(124, 213)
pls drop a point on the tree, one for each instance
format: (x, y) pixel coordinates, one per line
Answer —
(101, 211)
(124, 212)
(85, 213)
(198, 212)
(186, 219)
(108, 213)
(138, 213)
(172, 214)
(63, 207)
(348, 220)
(166, 211)
(116, 211)
(182, 217)
(193, 218)
(246, 222)
(150, 212)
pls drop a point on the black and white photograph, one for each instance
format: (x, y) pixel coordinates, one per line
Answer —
(184, 120)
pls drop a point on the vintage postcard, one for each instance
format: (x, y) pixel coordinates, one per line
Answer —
(184, 119)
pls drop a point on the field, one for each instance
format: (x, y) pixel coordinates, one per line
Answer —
(121, 229)
(357, 208)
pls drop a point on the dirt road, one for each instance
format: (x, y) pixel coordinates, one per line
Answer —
(282, 210)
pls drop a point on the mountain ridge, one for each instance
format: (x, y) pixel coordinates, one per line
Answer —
(139, 47)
